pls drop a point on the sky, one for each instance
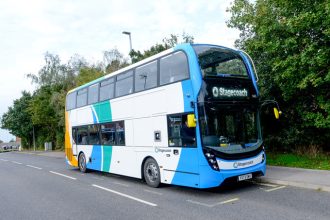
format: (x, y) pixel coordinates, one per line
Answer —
(28, 29)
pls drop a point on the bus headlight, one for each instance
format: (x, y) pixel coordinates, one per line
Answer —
(263, 157)
(210, 157)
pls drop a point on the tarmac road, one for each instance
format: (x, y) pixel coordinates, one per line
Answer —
(41, 187)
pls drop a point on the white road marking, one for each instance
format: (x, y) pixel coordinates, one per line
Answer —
(125, 195)
(153, 192)
(4, 160)
(264, 184)
(38, 168)
(16, 162)
(273, 189)
(213, 205)
(60, 174)
(120, 184)
(97, 178)
(229, 201)
(199, 203)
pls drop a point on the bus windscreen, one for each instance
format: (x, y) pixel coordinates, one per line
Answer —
(217, 61)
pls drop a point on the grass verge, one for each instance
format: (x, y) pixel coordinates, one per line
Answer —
(321, 162)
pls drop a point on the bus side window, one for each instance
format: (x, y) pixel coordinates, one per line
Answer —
(124, 84)
(94, 135)
(108, 134)
(93, 93)
(179, 134)
(82, 135)
(71, 101)
(82, 97)
(173, 68)
(120, 133)
(107, 89)
(146, 76)
(74, 135)
(174, 126)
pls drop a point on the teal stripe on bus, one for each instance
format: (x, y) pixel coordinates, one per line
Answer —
(107, 154)
(103, 111)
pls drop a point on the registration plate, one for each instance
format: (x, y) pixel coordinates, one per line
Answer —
(245, 177)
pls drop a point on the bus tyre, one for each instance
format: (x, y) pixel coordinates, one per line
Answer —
(82, 163)
(151, 173)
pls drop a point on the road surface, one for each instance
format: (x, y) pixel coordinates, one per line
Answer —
(41, 187)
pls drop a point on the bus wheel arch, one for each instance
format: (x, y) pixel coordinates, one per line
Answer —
(82, 162)
(150, 172)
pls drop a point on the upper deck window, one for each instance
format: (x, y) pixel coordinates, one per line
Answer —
(93, 93)
(173, 68)
(216, 61)
(71, 101)
(107, 89)
(82, 97)
(124, 84)
(146, 76)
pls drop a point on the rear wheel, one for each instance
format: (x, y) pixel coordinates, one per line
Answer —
(82, 163)
(151, 172)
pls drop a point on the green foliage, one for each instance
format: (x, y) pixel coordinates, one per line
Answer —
(136, 56)
(170, 42)
(52, 73)
(113, 61)
(40, 108)
(88, 74)
(18, 119)
(320, 161)
(289, 41)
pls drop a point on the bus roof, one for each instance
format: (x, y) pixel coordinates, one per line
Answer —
(163, 53)
(168, 51)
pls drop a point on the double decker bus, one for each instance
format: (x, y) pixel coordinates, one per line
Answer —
(188, 116)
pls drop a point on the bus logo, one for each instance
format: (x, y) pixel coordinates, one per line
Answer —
(242, 164)
(219, 92)
(161, 150)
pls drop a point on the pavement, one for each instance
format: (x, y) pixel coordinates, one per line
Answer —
(303, 178)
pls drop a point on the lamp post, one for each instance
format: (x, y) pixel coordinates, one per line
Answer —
(130, 39)
(34, 140)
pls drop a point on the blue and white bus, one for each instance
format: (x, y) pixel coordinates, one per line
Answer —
(188, 116)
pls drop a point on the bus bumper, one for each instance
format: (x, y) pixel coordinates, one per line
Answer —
(211, 178)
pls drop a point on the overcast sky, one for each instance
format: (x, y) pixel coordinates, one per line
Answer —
(66, 27)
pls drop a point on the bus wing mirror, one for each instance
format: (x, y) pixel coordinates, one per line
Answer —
(191, 121)
(277, 113)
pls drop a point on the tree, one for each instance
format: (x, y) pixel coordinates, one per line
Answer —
(18, 119)
(43, 115)
(170, 42)
(87, 74)
(289, 41)
(113, 61)
(53, 72)
(54, 80)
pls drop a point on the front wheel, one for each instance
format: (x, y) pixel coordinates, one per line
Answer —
(82, 163)
(151, 173)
